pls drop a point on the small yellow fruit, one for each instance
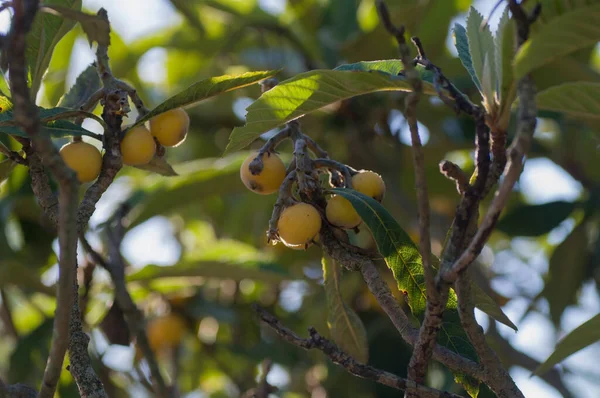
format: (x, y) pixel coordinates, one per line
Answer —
(171, 127)
(138, 146)
(85, 159)
(166, 331)
(363, 239)
(369, 183)
(341, 213)
(298, 224)
(269, 179)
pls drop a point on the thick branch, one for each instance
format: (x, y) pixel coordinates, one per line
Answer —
(316, 341)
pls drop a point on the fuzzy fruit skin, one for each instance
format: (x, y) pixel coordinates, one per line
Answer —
(341, 213)
(171, 127)
(298, 224)
(83, 158)
(369, 183)
(166, 331)
(138, 146)
(269, 179)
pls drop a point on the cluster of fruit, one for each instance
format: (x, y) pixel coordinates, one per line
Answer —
(299, 222)
(138, 146)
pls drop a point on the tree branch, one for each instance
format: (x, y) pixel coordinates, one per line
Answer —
(26, 116)
(133, 316)
(316, 341)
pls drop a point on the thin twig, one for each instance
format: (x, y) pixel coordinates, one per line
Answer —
(453, 172)
(316, 341)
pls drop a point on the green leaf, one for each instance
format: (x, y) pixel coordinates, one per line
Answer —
(87, 83)
(535, 220)
(199, 179)
(584, 335)
(575, 99)
(46, 32)
(566, 272)
(56, 128)
(347, 330)
(505, 49)
(310, 91)
(207, 88)
(158, 165)
(481, 44)
(4, 87)
(487, 304)
(6, 166)
(95, 27)
(461, 42)
(563, 35)
(402, 256)
(29, 356)
(220, 259)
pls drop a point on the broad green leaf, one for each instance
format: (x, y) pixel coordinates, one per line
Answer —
(575, 99)
(4, 87)
(487, 304)
(535, 220)
(487, 83)
(402, 257)
(207, 88)
(95, 27)
(158, 165)
(310, 91)
(199, 179)
(481, 44)
(87, 83)
(347, 330)
(566, 272)
(584, 335)
(461, 42)
(46, 32)
(563, 35)
(56, 128)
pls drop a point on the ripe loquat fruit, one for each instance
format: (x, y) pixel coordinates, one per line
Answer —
(268, 179)
(340, 212)
(83, 158)
(298, 224)
(369, 183)
(165, 331)
(171, 127)
(138, 146)
(363, 238)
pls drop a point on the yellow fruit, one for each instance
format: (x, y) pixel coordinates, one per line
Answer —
(166, 331)
(341, 213)
(85, 159)
(369, 183)
(269, 179)
(298, 224)
(363, 239)
(171, 127)
(138, 146)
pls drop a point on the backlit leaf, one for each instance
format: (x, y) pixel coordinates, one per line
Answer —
(575, 99)
(46, 32)
(95, 27)
(347, 330)
(56, 128)
(481, 44)
(584, 335)
(158, 165)
(87, 83)
(563, 35)
(461, 42)
(310, 91)
(207, 88)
